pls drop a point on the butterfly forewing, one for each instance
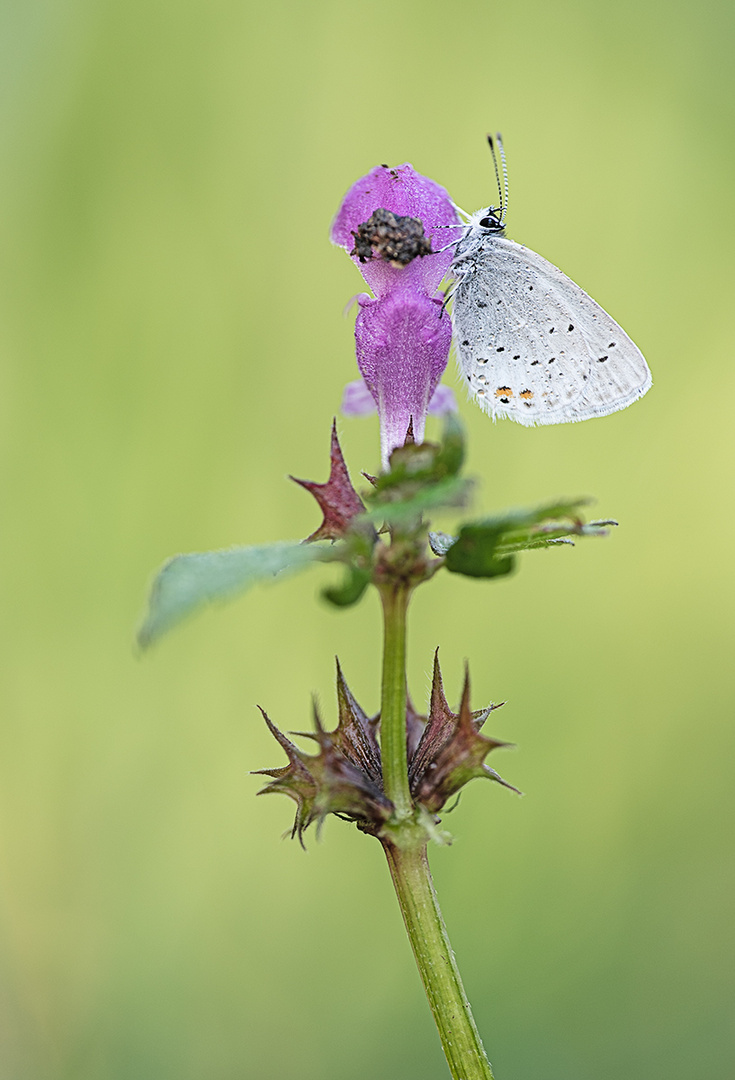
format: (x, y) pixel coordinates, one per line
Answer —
(532, 345)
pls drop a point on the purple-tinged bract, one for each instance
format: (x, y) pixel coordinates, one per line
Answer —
(337, 498)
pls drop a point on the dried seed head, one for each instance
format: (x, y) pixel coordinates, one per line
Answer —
(445, 751)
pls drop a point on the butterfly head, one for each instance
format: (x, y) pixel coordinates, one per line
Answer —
(491, 220)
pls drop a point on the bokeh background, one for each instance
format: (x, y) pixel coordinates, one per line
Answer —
(172, 346)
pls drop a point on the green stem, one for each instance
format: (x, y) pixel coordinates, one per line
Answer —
(404, 843)
(460, 1039)
(395, 599)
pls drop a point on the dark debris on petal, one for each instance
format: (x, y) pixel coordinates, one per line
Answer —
(392, 237)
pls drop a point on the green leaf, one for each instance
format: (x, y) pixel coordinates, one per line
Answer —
(350, 591)
(187, 582)
(522, 520)
(486, 548)
(451, 455)
(451, 491)
(474, 556)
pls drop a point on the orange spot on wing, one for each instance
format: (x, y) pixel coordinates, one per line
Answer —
(504, 391)
(526, 393)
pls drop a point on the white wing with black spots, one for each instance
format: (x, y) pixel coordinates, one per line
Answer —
(533, 346)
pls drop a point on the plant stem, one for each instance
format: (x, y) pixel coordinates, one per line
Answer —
(405, 848)
(460, 1038)
(395, 599)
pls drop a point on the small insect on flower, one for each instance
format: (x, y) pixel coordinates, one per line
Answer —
(531, 345)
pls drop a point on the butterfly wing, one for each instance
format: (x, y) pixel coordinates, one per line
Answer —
(535, 347)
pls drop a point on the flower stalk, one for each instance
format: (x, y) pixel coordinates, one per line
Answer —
(395, 599)
(405, 842)
(460, 1039)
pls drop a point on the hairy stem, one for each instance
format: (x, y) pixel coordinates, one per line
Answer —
(460, 1039)
(395, 599)
(405, 848)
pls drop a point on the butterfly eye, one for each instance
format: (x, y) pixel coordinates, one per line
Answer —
(490, 221)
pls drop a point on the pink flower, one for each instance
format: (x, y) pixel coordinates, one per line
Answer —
(402, 336)
(358, 401)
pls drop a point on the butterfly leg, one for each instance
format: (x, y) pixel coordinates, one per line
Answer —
(447, 297)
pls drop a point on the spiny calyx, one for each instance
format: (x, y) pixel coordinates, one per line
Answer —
(344, 777)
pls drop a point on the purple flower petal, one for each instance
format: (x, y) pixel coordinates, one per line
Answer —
(443, 401)
(357, 399)
(402, 343)
(409, 194)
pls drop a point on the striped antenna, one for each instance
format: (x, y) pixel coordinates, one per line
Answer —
(502, 190)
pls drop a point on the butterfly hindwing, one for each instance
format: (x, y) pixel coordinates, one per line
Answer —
(535, 347)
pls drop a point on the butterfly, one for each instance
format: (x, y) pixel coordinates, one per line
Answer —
(531, 345)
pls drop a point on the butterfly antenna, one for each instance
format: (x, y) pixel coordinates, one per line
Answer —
(491, 144)
(504, 202)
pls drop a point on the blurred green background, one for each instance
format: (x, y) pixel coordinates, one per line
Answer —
(172, 346)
